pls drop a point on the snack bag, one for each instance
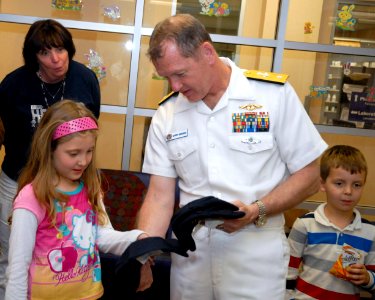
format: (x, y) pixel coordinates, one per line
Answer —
(349, 256)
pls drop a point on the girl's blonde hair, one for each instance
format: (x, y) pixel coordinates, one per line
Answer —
(40, 170)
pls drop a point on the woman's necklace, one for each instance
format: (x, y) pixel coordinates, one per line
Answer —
(46, 92)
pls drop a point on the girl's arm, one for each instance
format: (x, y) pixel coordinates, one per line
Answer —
(112, 241)
(21, 246)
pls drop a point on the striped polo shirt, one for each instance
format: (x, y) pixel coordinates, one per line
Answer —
(315, 244)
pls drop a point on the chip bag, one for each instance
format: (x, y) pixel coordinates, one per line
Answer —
(348, 256)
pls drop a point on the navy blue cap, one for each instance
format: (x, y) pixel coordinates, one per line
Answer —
(206, 208)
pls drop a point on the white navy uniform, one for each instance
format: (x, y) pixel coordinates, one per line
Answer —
(254, 138)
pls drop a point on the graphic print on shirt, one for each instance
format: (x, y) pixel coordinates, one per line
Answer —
(84, 237)
(63, 229)
(62, 259)
(78, 254)
(37, 112)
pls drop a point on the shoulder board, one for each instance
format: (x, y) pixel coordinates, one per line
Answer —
(167, 97)
(266, 76)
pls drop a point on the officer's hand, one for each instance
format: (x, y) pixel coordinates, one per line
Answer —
(251, 213)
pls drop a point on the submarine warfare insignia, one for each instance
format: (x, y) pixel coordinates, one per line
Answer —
(251, 106)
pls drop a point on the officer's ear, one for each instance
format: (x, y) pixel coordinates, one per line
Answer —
(208, 51)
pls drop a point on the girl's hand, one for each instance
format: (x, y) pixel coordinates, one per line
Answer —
(146, 277)
(358, 274)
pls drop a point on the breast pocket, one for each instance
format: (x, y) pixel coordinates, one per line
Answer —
(185, 155)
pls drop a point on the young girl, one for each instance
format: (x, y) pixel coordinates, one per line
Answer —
(59, 223)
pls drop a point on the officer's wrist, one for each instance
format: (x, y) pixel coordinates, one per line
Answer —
(261, 219)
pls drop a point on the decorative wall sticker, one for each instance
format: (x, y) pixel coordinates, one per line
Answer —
(96, 64)
(346, 70)
(308, 27)
(345, 19)
(112, 12)
(67, 4)
(214, 8)
(318, 91)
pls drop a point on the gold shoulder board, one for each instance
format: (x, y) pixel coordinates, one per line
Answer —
(167, 97)
(266, 76)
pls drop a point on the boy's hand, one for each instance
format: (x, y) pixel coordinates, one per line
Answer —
(358, 274)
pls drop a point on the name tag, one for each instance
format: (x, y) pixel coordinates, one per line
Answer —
(176, 135)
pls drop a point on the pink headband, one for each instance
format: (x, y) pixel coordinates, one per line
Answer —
(72, 126)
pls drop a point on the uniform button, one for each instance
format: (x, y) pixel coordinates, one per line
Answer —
(212, 145)
(179, 154)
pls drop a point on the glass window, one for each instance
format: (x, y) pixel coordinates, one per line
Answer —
(151, 88)
(12, 36)
(140, 130)
(336, 89)
(110, 141)
(256, 18)
(103, 11)
(340, 23)
(114, 51)
(355, 24)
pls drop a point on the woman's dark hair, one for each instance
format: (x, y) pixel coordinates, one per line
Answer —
(46, 34)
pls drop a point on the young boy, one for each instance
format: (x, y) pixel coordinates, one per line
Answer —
(332, 254)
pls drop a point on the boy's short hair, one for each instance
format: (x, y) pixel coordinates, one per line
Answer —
(342, 156)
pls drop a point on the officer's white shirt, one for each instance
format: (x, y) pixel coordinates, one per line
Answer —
(198, 145)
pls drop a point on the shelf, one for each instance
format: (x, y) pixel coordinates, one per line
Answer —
(356, 76)
(332, 129)
(349, 88)
(333, 113)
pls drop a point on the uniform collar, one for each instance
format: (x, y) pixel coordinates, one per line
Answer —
(321, 218)
(240, 88)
